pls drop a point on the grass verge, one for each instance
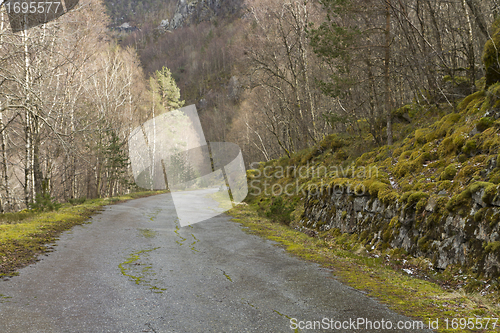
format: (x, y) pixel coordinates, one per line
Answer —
(25, 235)
(415, 298)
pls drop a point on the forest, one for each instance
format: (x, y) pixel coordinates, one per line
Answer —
(274, 77)
(282, 75)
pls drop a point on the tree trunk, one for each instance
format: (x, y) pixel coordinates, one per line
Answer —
(388, 104)
(470, 50)
(5, 166)
(98, 178)
(37, 170)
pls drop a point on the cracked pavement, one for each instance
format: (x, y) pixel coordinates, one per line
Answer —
(133, 269)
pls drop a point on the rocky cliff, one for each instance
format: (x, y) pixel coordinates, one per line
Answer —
(195, 11)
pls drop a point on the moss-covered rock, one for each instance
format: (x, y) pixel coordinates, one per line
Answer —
(449, 172)
(489, 194)
(469, 147)
(416, 197)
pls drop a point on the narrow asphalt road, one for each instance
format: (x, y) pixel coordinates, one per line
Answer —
(133, 269)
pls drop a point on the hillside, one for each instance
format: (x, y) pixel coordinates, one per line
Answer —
(434, 193)
(195, 39)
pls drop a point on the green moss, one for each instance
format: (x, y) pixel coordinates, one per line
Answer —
(481, 83)
(375, 187)
(486, 105)
(447, 147)
(478, 186)
(413, 197)
(492, 247)
(148, 233)
(405, 155)
(332, 141)
(449, 172)
(484, 123)
(457, 80)
(404, 168)
(397, 151)
(129, 269)
(341, 155)
(469, 147)
(364, 235)
(459, 200)
(444, 185)
(489, 193)
(469, 172)
(458, 140)
(494, 177)
(423, 244)
(284, 161)
(421, 204)
(404, 112)
(365, 158)
(406, 195)
(471, 98)
(384, 154)
(491, 145)
(478, 216)
(387, 236)
(388, 196)
(421, 135)
(308, 154)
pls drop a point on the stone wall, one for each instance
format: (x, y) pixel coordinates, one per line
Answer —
(468, 237)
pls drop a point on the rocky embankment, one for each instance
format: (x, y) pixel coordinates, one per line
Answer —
(468, 237)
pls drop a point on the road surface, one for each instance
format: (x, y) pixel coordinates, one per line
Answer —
(133, 269)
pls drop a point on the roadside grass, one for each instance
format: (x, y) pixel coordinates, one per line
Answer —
(27, 234)
(410, 296)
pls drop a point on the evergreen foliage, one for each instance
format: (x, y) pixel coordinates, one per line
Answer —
(491, 55)
(116, 160)
(167, 93)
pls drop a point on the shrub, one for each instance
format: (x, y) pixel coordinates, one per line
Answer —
(44, 202)
(490, 56)
(77, 201)
(332, 141)
(280, 211)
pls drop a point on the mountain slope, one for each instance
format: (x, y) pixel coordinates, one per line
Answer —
(433, 194)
